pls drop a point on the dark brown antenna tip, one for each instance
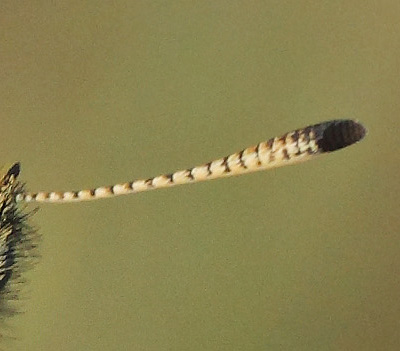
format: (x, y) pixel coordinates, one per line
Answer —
(14, 170)
(337, 134)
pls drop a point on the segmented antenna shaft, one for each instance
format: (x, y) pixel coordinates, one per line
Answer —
(293, 147)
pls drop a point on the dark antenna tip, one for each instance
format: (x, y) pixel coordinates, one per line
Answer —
(15, 169)
(337, 134)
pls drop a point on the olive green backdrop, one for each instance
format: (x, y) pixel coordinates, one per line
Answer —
(299, 258)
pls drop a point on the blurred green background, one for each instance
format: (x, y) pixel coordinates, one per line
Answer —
(299, 258)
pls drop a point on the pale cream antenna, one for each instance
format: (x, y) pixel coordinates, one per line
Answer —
(293, 147)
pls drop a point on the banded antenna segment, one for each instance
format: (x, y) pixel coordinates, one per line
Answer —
(293, 147)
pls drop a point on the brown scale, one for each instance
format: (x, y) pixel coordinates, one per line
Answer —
(17, 239)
